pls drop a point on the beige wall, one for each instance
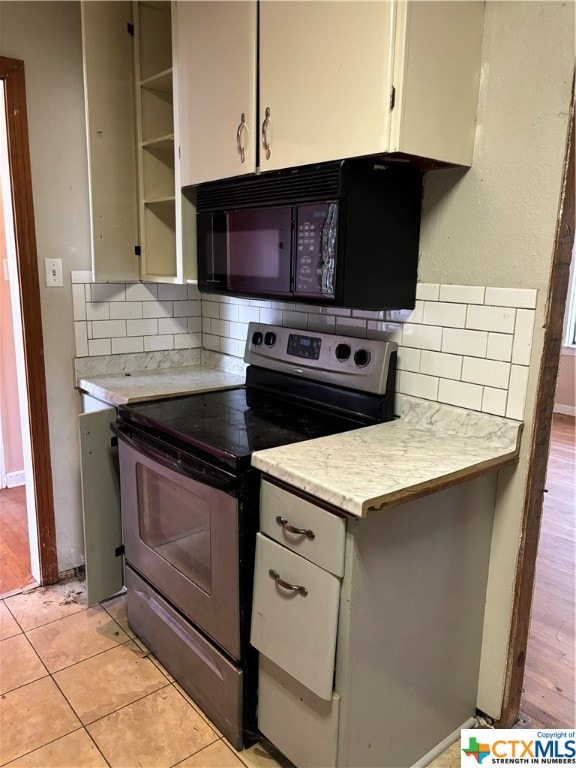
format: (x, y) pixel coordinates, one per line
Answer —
(495, 225)
(9, 407)
(47, 37)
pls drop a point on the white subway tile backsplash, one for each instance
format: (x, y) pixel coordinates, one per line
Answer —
(78, 302)
(125, 310)
(81, 276)
(499, 319)
(157, 309)
(491, 373)
(409, 359)
(107, 328)
(322, 323)
(232, 347)
(247, 314)
(522, 348)
(460, 393)
(172, 292)
(462, 342)
(271, 315)
(155, 343)
(422, 336)
(499, 346)
(108, 291)
(440, 364)
(427, 291)
(147, 327)
(187, 308)
(171, 325)
(351, 326)
(444, 314)
(517, 392)
(494, 401)
(187, 340)
(81, 339)
(210, 309)
(293, 319)
(418, 385)
(512, 297)
(464, 345)
(462, 294)
(142, 292)
(100, 311)
(129, 344)
(238, 331)
(229, 312)
(99, 347)
(211, 342)
(385, 331)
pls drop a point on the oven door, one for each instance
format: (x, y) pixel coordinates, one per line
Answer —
(182, 536)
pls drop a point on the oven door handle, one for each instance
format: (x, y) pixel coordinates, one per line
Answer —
(203, 472)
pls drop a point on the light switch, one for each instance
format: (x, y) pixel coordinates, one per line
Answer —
(53, 269)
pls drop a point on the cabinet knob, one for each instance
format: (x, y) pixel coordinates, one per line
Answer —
(265, 141)
(239, 145)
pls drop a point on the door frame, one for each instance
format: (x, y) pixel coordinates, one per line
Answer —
(540, 444)
(12, 73)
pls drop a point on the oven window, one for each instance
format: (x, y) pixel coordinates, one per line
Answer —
(176, 525)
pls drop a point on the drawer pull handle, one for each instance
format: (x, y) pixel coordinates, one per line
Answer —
(292, 529)
(281, 583)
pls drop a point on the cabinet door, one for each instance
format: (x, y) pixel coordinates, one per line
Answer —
(216, 72)
(325, 77)
(100, 505)
(109, 94)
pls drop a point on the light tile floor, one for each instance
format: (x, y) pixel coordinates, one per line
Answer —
(78, 689)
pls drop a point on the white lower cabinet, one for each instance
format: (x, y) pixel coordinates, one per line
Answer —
(295, 615)
(297, 722)
(378, 666)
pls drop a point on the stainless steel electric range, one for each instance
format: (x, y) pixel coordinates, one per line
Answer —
(190, 500)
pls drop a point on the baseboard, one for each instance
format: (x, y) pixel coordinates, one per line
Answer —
(567, 410)
(14, 479)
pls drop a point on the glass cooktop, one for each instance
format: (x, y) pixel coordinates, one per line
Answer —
(235, 422)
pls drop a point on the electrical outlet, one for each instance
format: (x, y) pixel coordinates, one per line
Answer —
(53, 269)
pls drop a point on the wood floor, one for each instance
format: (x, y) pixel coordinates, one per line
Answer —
(14, 552)
(548, 699)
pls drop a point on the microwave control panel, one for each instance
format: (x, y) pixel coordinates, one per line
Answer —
(312, 258)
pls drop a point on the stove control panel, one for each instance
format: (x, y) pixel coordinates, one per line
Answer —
(340, 360)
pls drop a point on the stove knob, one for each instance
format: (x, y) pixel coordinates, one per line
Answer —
(343, 352)
(362, 358)
(256, 338)
(270, 339)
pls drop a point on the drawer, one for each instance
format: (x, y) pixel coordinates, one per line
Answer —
(301, 725)
(326, 548)
(296, 631)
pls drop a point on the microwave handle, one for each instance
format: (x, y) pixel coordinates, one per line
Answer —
(328, 250)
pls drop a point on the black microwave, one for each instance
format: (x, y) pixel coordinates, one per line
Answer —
(343, 233)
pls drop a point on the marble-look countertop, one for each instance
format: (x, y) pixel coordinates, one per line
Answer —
(430, 447)
(122, 388)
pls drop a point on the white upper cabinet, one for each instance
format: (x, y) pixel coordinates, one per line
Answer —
(216, 63)
(335, 80)
(325, 80)
(138, 214)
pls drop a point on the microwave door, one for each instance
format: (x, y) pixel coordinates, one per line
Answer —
(259, 251)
